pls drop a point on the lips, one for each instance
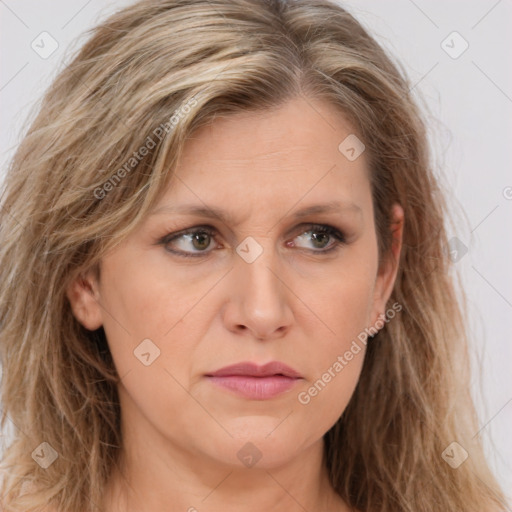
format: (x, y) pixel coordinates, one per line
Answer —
(256, 382)
(253, 370)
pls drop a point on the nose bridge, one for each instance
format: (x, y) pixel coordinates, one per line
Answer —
(260, 299)
(257, 268)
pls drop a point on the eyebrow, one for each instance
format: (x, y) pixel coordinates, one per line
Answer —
(224, 216)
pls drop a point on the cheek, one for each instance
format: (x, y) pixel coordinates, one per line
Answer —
(342, 303)
(337, 341)
(328, 395)
(349, 307)
(336, 361)
(145, 302)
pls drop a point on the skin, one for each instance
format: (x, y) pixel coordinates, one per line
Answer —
(182, 433)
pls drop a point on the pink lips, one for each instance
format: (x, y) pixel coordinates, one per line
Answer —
(256, 382)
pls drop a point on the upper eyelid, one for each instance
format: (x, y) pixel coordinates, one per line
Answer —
(305, 226)
(195, 229)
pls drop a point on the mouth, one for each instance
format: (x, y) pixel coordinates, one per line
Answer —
(256, 382)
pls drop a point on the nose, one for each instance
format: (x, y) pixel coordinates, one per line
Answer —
(259, 298)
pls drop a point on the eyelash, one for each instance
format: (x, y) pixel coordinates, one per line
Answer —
(324, 229)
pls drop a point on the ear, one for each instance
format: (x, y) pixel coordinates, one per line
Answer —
(83, 294)
(389, 267)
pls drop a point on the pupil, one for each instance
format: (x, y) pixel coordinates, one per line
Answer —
(319, 237)
(201, 238)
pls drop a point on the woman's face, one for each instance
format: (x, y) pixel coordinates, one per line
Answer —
(268, 283)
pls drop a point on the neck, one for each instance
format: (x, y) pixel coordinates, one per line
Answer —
(179, 481)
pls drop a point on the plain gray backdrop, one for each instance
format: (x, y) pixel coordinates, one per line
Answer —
(457, 55)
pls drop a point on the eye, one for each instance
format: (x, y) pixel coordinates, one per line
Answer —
(198, 241)
(324, 238)
(191, 242)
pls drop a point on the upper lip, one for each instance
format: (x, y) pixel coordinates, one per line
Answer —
(254, 370)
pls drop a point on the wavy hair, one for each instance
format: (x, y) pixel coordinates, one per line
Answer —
(161, 69)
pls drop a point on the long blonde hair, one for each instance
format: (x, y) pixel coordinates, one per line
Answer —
(160, 69)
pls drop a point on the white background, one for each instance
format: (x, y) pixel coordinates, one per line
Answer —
(470, 104)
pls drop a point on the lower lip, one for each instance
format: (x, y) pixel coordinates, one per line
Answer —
(255, 388)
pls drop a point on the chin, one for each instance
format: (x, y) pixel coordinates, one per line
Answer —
(259, 442)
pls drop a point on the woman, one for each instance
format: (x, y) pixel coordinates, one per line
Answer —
(225, 277)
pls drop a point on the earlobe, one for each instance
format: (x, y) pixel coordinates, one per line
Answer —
(83, 296)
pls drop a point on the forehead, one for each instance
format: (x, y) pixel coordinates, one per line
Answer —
(278, 157)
